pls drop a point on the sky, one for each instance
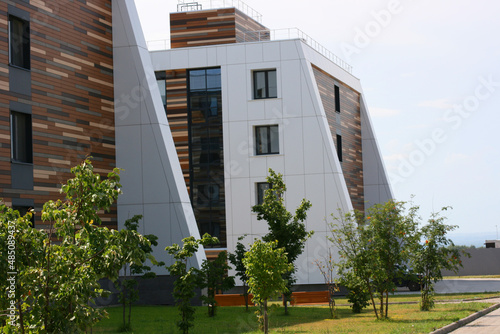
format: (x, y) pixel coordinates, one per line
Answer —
(430, 72)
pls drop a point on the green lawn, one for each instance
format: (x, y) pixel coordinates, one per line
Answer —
(404, 318)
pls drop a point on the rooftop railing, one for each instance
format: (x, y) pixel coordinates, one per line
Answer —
(272, 35)
(158, 45)
(186, 6)
(294, 33)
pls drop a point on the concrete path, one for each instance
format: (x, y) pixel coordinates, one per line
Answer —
(487, 324)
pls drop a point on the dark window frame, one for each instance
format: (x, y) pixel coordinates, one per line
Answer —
(337, 98)
(23, 60)
(266, 79)
(269, 150)
(28, 140)
(339, 147)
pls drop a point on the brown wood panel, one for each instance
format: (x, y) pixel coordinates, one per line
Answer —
(210, 27)
(177, 115)
(349, 128)
(71, 72)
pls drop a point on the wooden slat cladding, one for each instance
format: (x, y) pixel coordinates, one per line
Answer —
(245, 24)
(177, 115)
(209, 27)
(349, 128)
(71, 97)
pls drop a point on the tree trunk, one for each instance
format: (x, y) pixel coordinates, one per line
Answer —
(371, 297)
(266, 320)
(21, 321)
(245, 295)
(285, 303)
(386, 303)
(124, 301)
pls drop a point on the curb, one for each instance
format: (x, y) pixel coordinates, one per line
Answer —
(462, 322)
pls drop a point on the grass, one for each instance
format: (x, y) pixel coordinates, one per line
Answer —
(403, 318)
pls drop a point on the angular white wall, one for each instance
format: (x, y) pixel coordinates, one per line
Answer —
(307, 158)
(152, 181)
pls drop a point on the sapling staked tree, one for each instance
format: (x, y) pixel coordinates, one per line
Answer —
(213, 277)
(236, 260)
(186, 279)
(434, 253)
(288, 230)
(128, 284)
(266, 264)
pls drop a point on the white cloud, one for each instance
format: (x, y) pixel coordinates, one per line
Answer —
(384, 112)
(436, 104)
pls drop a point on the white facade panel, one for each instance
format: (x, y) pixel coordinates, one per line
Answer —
(307, 155)
(198, 58)
(236, 54)
(235, 91)
(271, 51)
(254, 52)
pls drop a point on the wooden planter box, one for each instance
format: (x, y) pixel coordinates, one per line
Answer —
(232, 300)
(310, 297)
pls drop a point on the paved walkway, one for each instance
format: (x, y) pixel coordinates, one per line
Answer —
(487, 324)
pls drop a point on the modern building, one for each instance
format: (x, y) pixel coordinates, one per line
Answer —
(195, 127)
(56, 97)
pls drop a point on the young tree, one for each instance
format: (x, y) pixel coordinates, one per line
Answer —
(327, 270)
(186, 279)
(127, 284)
(265, 265)
(375, 247)
(353, 267)
(287, 229)
(236, 260)
(433, 254)
(59, 268)
(213, 277)
(391, 234)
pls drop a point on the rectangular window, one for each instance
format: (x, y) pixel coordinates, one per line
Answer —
(261, 191)
(19, 42)
(337, 98)
(267, 139)
(23, 210)
(265, 84)
(339, 147)
(21, 137)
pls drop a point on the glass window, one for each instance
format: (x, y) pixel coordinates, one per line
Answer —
(337, 98)
(213, 79)
(339, 147)
(265, 84)
(197, 80)
(19, 42)
(261, 191)
(267, 139)
(21, 142)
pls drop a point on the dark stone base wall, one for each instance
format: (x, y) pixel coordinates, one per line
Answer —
(155, 291)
